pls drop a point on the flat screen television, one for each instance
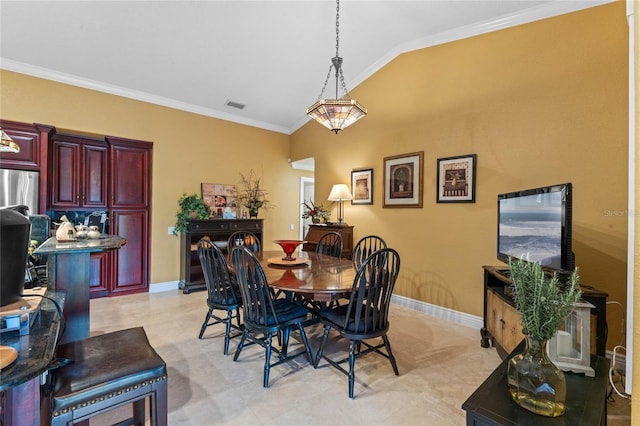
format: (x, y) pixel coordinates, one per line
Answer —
(535, 225)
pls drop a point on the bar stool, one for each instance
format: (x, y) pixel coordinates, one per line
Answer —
(109, 371)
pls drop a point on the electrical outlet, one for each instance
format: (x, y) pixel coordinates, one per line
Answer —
(171, 229)
(292, 227)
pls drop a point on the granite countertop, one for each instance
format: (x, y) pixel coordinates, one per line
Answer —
(35, 350)
(88, 245)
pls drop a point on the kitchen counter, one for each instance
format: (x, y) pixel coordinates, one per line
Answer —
(87, 245)
(69, 269)
(21, 380)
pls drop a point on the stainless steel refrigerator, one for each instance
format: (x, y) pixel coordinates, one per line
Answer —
(20, 187)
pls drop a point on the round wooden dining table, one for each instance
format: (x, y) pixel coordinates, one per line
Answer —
(316, 277)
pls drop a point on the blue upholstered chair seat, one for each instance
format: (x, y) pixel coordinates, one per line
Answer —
(338, 317)
(286, 311)
(229, 298)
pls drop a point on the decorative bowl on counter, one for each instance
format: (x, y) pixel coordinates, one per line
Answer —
(289, 246)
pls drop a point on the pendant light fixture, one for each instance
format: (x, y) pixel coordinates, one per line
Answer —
(7, 144)
(339, 113)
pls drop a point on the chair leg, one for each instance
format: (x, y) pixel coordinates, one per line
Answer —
(322, 342)
(267, 361)
(245, 333)
(352, 362)
(286, 332)
(303, 335)
(227, 332)
(392, 359)
(204, 324)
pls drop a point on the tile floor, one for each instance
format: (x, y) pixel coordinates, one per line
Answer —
(440, 363)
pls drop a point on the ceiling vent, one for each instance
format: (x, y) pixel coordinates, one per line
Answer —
(235, 105)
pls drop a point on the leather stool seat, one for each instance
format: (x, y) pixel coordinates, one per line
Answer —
(108, 371)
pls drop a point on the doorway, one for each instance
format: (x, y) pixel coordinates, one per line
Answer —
(307, 188)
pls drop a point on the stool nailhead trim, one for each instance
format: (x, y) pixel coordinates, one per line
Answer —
(110, 395)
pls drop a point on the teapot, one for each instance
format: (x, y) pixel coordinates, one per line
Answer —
(93, 232)
(66, 231)
(81, 231)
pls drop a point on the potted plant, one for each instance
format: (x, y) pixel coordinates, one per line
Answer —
(191, 207)
(535, 383)
(316, 212)
(252, 195)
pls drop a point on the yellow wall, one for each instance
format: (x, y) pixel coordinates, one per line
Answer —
(539, 104)
(188, 149)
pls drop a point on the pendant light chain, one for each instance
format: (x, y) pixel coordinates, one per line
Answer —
(339, 113)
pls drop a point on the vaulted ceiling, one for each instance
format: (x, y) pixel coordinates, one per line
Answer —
(271, 56)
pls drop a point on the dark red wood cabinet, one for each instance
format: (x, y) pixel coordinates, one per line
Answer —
(130, 213)
(79, 173)
(33, 140)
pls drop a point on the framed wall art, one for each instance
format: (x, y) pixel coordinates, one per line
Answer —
(362, 186)
(221, 199)
(457, 179)
(403, 180)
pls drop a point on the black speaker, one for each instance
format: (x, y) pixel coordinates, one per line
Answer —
(14, 245)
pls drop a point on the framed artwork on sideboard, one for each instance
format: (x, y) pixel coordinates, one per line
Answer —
(221, 199)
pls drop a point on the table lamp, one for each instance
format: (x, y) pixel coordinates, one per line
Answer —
(339, 193)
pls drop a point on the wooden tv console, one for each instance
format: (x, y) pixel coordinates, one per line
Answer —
(502, 327)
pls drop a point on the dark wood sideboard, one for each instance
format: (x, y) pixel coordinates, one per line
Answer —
(502, 327)
(318, 230)
(191, 277)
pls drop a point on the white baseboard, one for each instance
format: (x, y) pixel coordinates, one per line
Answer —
(468, 320)
(166, 286)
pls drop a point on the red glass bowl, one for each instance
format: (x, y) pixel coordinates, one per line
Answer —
(289, 246)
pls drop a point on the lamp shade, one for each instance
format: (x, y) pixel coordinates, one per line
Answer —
(336, 114)
(340, 192)
(7, 144)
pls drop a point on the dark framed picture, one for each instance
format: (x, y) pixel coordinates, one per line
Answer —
(362, 186)
(457, 179)
(403, 180)
(221, 199)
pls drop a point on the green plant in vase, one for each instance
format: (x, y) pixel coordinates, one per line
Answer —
(535, 383)
(190, 207)
(316, 212)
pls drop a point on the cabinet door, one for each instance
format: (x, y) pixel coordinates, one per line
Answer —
(130, 264)
(99, 274)
(27, 137)
(130, 174)
(78, 172)
(512, 333)
(94, 167)
(494, 316)
(65, 174)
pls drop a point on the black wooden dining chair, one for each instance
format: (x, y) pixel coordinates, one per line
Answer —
(246, 239)
(330, 244)
(222, 288)
(367, 314)
(264, 316)
(365, 248)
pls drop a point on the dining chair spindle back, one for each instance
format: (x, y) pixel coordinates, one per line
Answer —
(367, 314)
(264, 316)
(365, 248)
(223, 292)
(244, 238)
(330, 244)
